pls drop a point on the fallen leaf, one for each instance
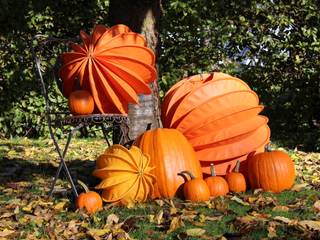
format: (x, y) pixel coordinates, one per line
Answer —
(6, 232)
(213, 218)
(60, 206)
(173, 210)
(98, 232)
(299, 187)
(160, 202)
(272, 229)
(195, 232)
(159, 217)
(252, 199)
(7, 215)
(308, 224)
(316, 205)
(202, 218)
(238, 200)
(283, 219)
(112, 219)
(280, 209)
(175, 223)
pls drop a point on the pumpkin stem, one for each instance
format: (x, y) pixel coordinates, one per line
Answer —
(85, 187)
(267, 148)
(188, 173)
(236, 169)
(212, 170)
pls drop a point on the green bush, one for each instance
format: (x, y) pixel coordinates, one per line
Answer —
(272, 45)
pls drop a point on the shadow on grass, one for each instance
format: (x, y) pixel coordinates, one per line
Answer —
(17, 170)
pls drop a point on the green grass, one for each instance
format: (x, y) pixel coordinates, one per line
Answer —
(30, 214)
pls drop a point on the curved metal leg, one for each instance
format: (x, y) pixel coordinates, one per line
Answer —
(63, 164)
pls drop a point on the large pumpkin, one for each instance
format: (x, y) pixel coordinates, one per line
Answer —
(271, 170)
(170, 153)
(113, 64)
(218, 114)
(126, 175)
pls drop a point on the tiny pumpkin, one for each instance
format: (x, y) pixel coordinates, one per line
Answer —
(218, 186)
(81, 102)
(236, 180)
(89, 200)
(195, 189)
(271, 170)
(126, 175)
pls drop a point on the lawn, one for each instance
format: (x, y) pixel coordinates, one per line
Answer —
(26, 171)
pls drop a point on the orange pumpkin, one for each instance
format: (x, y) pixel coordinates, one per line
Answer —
(218, 186)
(114, 64)
(170, 153)
(271, 170)
(195, 189)
(236, 180)
(89, 200)
(81, 102)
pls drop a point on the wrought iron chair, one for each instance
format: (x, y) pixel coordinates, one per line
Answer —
(46, 69)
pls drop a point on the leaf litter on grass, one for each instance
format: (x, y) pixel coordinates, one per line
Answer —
(26, 212)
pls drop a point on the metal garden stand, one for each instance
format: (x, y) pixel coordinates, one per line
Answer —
(109, 123)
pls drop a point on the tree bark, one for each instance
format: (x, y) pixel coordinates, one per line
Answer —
(142, 17)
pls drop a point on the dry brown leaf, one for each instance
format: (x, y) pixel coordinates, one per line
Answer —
(159, 217)
(316, 205)
(98, 232)
(238, 200)
(6, 232)
(280, 209)
(175, 223)
(283, 219)
(310, 225)
(299, 187)
(195, 232)
(7, 215)
(112, 219)
(160, 202)
(272, 229)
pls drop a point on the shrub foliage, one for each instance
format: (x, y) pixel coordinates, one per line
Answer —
(272, 45)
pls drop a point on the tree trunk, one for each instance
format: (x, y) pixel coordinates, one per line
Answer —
(142, 17)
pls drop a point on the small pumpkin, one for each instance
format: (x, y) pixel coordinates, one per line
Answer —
(218, 186)
(271, 170)
(170, 153)
(89, 200)
(81, 102)
(195, 189)
(126, 175)
(236, 180)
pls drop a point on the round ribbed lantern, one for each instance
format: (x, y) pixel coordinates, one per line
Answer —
(219, 115)
(113, 64)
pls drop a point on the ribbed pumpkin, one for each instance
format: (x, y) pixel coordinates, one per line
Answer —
(81, 102)
(126, 175)
(218, 114)
(113, 64)
(236, 180)
(271, 170)
(170, 153)
(195, 189)
(218, 186)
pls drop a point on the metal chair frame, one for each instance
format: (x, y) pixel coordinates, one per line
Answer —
(118, 124)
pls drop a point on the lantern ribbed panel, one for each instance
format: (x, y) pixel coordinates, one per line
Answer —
(219, 115)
